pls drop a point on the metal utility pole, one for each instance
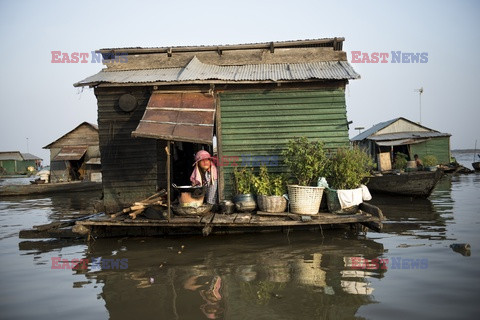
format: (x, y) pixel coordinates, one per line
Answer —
(420, 91)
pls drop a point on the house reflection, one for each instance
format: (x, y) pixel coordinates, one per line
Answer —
(218, 277)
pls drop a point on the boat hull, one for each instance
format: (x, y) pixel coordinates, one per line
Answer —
(419, 184)
(476, 166)
(49, 188)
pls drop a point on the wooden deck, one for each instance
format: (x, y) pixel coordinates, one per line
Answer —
(213, 223)
(100, 225)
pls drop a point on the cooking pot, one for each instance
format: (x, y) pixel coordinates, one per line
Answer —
(190, 196)
(227, 206)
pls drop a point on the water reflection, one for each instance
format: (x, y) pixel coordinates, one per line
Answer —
(237, 277)
(421, 218)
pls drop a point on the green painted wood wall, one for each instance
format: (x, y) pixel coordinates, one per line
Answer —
(17, 166)
(255, 126)
(438, 147)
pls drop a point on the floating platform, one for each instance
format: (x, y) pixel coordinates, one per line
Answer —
(217, 223)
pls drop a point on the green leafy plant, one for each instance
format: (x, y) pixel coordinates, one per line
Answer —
(348, 168)
(270, 184)
(429, 161)
(305, 159)
(244, 180)
(400, 161)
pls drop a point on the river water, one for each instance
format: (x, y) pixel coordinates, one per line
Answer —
(407, 271)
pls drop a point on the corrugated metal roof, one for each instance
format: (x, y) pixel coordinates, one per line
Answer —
(29, 156)
(370, 133)
(196, 70)
(400, 142)
(408, 135)
(367, 133)
(336, 43)
(11, 155)
(70, 153)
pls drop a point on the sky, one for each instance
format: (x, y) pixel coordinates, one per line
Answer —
(38, 103)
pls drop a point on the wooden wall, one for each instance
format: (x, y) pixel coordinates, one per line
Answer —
(129, 165)
(83, 135)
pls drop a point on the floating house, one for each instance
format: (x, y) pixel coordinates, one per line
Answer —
(15, 162)
(76, 155)
(384, 140)
(162, 104)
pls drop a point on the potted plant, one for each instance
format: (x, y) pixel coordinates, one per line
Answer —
(430, 163)
(306, 161)
(244, 179)
(270, 190)
(345, 172)
(400, 161)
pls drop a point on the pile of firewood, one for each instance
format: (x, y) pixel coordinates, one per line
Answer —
(159, 198)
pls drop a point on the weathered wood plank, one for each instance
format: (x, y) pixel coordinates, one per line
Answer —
(42, 234)
(243, 218)
(371, 209)
(223, 218)
(207, 218)
(272, 214)
(186, 219)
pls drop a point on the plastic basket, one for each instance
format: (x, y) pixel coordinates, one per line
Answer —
(273, 204)
(305, 200)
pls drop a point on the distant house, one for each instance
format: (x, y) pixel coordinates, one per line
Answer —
(384, 140)
(76, 155)
(15, 162)
(251, 98)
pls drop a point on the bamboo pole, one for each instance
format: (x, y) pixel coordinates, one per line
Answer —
(155, 199)
(167, 150)
(475, 152)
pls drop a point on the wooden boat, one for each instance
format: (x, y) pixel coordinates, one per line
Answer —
(476, 166)
(413, 184)
(49, 188)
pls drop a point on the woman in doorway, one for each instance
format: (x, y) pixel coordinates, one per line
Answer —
(205, 174)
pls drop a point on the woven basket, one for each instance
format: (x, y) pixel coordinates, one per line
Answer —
(273, 204)
(305, 200)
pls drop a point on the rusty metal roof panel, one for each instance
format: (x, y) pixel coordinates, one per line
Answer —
(185, 117)
(196, 70)
(70, 153)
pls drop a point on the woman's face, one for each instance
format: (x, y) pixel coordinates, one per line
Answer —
(204, 164)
